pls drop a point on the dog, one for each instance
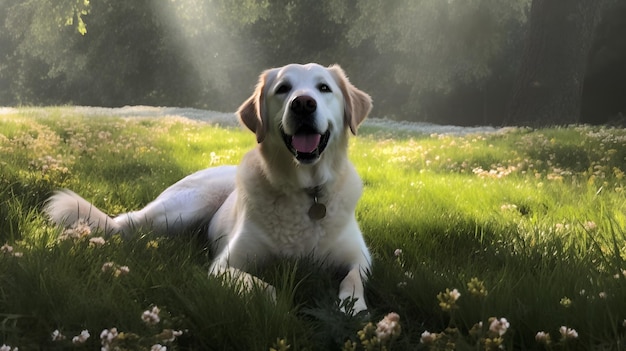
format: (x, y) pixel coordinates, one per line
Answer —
(293, 195)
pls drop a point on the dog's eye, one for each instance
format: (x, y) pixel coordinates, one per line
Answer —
(283, 89)
(324, 88)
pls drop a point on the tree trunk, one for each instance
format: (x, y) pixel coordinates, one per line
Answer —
(549, 83)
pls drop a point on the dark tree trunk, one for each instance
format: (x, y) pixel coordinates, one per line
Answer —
(549, 84)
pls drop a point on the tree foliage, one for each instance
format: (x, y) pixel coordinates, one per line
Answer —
(442, 61)
(550, 80)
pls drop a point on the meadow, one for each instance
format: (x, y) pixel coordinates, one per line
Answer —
(508, 240)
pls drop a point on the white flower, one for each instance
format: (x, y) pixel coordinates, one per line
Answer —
(428, 337)
(57, 336)
(397, 252)
(590, 226)
(170, 335)
(158, 347)
(78, 230)
(455, 294)
(107, 336)
(108, 266)
(568, 333)
(80, 339)
(388, 327)
(151, 317)
(115, 269)
(97, 241)
(5, 347)
(499, 326)
(542, 337)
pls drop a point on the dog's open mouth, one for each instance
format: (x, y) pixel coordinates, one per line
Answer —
(306, 144)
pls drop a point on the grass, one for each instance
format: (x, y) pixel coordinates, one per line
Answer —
(538, 217)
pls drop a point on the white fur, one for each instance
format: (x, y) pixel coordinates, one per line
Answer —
(258, 210)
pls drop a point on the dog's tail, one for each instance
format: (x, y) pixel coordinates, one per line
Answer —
(66, 208)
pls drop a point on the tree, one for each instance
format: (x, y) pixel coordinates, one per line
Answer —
(548, 87)
(425, 50)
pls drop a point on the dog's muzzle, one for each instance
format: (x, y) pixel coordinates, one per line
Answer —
(307, 143)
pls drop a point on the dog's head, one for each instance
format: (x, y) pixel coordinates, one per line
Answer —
(304, 107)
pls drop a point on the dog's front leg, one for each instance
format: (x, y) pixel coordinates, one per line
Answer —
(226, 266)
(352, 287)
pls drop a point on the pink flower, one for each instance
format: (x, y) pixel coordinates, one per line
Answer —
(499, 326)
(388, 327)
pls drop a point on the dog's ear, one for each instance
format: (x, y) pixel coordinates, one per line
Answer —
(253, 112)
(358, 104)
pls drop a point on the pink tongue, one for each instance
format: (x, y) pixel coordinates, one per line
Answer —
(305, 142)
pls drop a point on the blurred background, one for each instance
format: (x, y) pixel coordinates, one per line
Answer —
(462, 62)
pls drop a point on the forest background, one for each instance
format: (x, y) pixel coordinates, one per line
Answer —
(473, 62)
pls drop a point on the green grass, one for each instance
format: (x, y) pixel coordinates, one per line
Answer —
(538, 216)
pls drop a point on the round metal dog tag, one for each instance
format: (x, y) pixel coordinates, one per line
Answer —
(317, 211)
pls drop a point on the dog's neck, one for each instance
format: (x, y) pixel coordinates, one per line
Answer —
(316, 192)
(317, 210)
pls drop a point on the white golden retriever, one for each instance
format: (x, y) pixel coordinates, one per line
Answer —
(293, 195)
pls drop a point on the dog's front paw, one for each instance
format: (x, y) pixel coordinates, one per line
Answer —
(245, 282)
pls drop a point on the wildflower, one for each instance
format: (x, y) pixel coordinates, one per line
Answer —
(508, 207)
(568, 333)
(107, 336)
(349, 345)
(78, 230)
(590, 226)
(81, 338)
(447, 299)
(476, 329)
(169, 335)
(108, 266)
(280, 345)
(97, 241)
(388, 327)
(493, 343)
(397, 252)
(454, 294)
(5, 347)
(151, 317)
(57, 336)
(152, 244)
(543, 338)
(115, 269)
(158, 347)
(428, 337)
(9, 250)
(477, 287)
(498, 326)
(602, 295)
(368, 338)
(6, 248)
(566, 302)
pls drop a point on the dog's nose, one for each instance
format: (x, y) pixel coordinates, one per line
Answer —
(303, 105)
